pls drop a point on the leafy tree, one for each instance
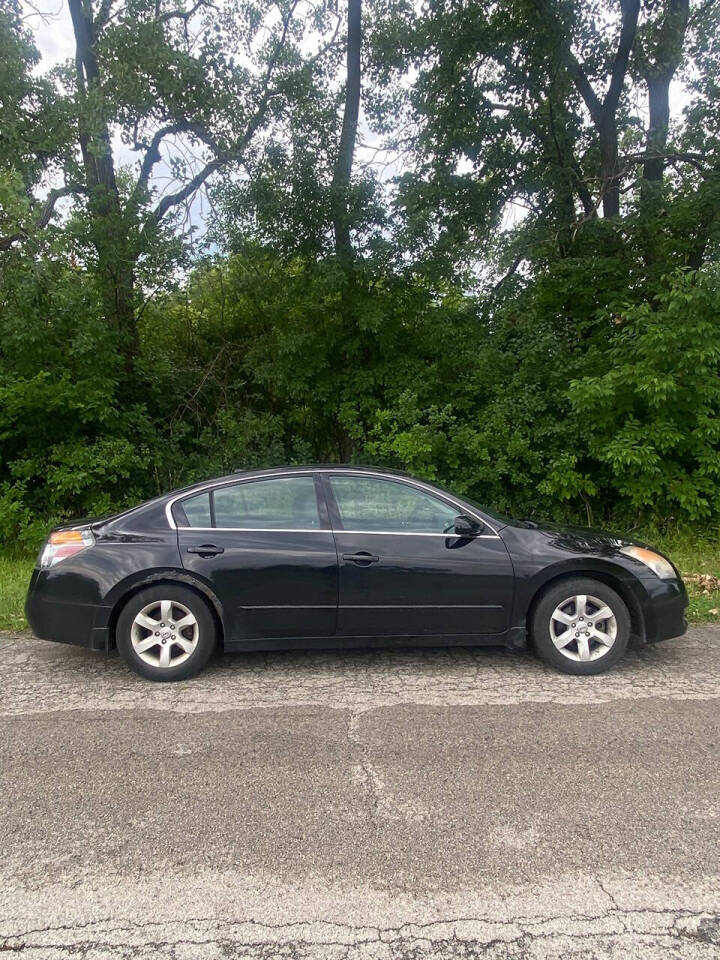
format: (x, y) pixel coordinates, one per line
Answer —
(218, 79)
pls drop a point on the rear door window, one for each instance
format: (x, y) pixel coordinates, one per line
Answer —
(276, 503)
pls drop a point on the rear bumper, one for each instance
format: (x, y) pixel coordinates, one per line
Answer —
(66, 620)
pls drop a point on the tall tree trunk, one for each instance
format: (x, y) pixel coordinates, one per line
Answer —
(604, 112)
(348, 135)
(116, 261)
(659, 120)
(658, 67)
(342, 171)
(609, 169)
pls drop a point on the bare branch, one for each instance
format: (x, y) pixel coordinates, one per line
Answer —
(152, 150)
(45, 215)
(697, 160)
(592, 101)
(173, 199)
(52, 198)
(184, 14)
(103, 14)
(35, 11)
(152, 154)
(224, 156)
(510, 272)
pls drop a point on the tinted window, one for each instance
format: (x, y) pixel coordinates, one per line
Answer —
(283, 503)
(197, 510)
(368, 503)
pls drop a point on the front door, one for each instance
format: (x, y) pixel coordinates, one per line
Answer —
(404, 573)
(265, 548)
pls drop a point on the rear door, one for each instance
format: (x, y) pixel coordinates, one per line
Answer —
(265, 547)
(404, 573)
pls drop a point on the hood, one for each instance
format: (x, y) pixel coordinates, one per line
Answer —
(591, 539)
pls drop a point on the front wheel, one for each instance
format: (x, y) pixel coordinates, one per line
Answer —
(581, 626)
(166, 632)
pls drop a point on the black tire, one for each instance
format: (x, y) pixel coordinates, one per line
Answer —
(541, 624)
(204, 639)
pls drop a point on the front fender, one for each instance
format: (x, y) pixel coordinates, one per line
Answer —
(633, 591)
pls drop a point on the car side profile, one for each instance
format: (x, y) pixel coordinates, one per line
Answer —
(324, 556)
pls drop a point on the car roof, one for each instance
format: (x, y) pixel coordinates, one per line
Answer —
(303, 468)
(242, 474)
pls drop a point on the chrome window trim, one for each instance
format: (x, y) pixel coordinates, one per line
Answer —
(425, 488)
(415, 533)
(377, 533)
(259, 529)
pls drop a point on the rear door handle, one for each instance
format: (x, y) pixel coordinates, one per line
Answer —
(206, 550)
(362, 558)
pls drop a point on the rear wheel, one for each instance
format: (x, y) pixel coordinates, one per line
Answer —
(166, 632)
(581, 626)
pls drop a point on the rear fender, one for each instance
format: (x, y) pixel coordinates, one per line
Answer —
(121, 593)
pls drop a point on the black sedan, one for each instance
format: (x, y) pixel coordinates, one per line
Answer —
(343, 556)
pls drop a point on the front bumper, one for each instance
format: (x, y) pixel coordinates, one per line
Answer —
(65, 620)
(664, 609)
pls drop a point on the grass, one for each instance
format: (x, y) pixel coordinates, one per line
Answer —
(14, 579)
(697, 558)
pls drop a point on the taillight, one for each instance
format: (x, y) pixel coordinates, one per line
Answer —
(63, 544)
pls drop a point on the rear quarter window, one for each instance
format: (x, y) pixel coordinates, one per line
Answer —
(195, 511)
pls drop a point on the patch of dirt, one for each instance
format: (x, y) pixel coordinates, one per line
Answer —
(706, 582)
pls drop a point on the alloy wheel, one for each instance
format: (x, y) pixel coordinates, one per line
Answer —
(164, 633)
(583, 628)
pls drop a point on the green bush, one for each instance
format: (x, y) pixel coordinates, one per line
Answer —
(651, 417)
(534, 405)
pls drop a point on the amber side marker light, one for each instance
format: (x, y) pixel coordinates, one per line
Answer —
(63, 544)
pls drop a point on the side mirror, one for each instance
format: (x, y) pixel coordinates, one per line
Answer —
(466, 526)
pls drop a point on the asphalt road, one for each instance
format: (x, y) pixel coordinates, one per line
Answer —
(360, 805)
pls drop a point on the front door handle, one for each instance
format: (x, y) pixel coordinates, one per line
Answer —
(363, 559)
(206, 550)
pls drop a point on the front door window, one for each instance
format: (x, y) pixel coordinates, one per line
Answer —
(387, 506)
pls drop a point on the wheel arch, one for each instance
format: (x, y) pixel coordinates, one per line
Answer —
(616, 583)
(176, 578)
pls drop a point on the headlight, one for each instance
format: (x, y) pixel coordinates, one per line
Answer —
(63, 544)
(659, 565)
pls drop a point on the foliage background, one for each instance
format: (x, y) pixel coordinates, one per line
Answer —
(508, 312)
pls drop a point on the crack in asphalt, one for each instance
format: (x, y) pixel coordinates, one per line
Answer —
(514, 935)
(368, 775)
